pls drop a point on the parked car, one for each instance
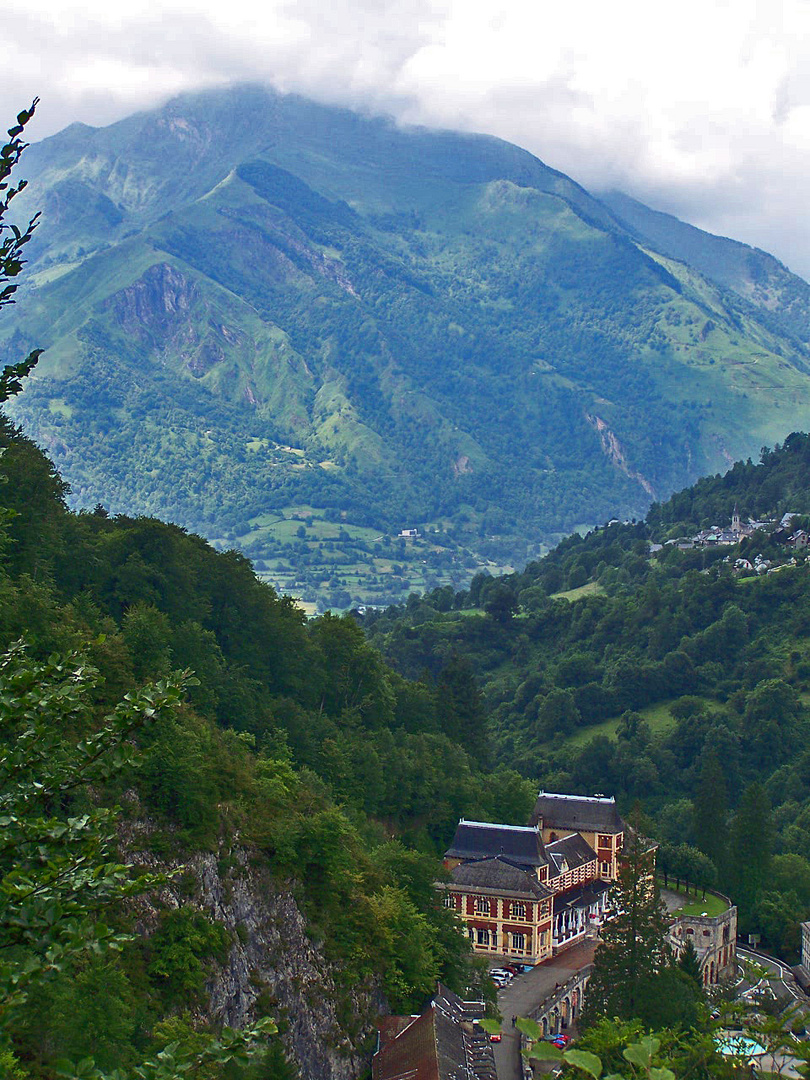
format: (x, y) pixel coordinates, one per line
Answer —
(559, 1040)
(503, 973)
(495, 1037)
(514, 969)
(499, 980)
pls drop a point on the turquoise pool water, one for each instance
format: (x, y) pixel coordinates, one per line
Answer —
(739, 1045)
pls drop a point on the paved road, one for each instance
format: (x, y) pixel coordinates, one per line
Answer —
(780, 978)
(524, 994)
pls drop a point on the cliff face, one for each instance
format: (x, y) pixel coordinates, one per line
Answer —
(272, 966)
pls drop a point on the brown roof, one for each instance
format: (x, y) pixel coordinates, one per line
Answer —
(444, 1043)
(411, 1054)
(390, 1026)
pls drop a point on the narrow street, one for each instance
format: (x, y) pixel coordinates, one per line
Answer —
(524, 994)
(779, 978)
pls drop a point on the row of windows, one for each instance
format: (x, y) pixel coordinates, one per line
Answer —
(489, 939)
(517, 910)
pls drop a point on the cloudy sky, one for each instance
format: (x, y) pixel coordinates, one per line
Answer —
(700, 108)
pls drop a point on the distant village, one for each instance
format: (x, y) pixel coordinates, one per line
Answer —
(781, 531)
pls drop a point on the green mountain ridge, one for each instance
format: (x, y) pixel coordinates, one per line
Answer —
(780, 298)
(676, 678)
(258, 310)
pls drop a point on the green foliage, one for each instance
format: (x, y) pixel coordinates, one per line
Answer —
(633, 977)
(624, 1049)
(678, 683)
(12, 242)
(179, 950)
(59, 871)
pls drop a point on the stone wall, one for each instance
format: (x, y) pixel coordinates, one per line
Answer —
(714, 939)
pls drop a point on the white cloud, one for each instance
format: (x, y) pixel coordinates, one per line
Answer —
(703, 109)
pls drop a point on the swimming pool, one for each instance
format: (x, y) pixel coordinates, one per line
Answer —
(734, 1043)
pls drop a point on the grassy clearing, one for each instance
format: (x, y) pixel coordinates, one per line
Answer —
(696, 905)
(591, 589)
(657, 716)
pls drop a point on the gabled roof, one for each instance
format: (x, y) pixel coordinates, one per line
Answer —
(572, 850)
(580, 813)
(581, 896)
(481, 839)
(498, 875)
(442, 1044)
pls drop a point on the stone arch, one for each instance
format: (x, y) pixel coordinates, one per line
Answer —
(544, 1026)
(575, 995)
(711, 972)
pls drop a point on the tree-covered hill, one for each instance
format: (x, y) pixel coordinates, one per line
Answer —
(299, 757)
(302, 331)
(677, 677)
(781, 299)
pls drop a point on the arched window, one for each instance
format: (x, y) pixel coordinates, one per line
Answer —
(450, 901)
(518, 910)
(519, 942)
(481, 906)
(483, 937)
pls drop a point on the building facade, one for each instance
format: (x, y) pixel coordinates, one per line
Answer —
(527, 892)
(802, 972)
(714, 939)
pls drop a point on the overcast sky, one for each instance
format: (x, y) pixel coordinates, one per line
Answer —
(700, 108)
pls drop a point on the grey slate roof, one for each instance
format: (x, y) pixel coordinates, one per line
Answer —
(582, 896)
(577, 812)
(498, 875)
(573, 849)
(480, 839)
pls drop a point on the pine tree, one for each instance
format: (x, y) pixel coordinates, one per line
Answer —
(690, 965)
(710, 810)
(633, 949)
(751, 849)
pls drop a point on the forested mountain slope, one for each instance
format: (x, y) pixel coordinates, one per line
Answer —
(781, 299)
(301, 330)
(299, 797)
(677, 677)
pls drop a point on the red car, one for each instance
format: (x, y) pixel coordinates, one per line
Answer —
(496, 1037)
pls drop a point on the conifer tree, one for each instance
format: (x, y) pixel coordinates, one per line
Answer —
(751, 849)
(633, 949)
(12, 243)
(710, 811)
(690, 965)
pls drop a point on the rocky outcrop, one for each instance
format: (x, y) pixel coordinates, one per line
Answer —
(273, 968)
(614, 451)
